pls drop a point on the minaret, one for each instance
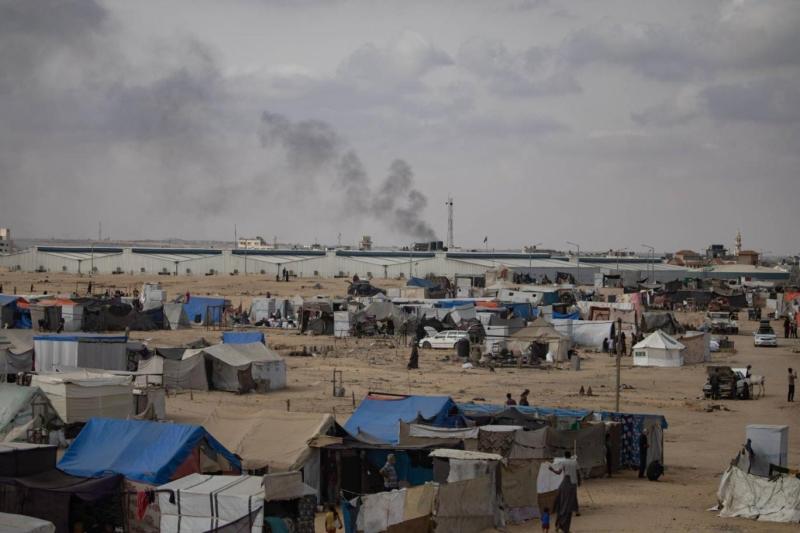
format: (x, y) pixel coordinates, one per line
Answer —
(738, 243)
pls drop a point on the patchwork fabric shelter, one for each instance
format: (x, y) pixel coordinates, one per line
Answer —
(200, 503)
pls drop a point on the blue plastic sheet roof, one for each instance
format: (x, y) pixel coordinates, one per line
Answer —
(74, 337)
(480, 409)
(421, 282)
(243, 337)
(198, 305)
(6, 299)
(378, 416)
(149, 452)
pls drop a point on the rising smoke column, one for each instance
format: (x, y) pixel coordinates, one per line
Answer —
(313, 146)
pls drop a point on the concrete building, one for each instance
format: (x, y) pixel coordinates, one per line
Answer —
(5, 241)
(255, 243)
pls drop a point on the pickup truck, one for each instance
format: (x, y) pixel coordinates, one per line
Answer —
(721, 322)
(732, 383)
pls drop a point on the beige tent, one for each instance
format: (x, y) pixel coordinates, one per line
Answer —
(82, 394)
(541, 332)
(698, 347)
(277, 441)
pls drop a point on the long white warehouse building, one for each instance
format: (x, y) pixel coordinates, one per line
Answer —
(324, 264)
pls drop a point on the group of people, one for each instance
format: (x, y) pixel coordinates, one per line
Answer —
(789, 328)
(523, 398)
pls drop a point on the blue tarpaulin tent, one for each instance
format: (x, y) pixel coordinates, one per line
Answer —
(243, 337)
(378, 416)
(569, 316)
(421, 282)
(148, 452)
(11, 315)
(524, 310)
(200, 309)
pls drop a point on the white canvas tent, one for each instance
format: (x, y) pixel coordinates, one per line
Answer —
(658, 349)
(233, 365)
(176, 316)
(24, 524)
(16, 351)
(23, 408)
(747, 496)
(540, 332)
(589, 333)
(204, 503)
(80, 395)
(80, 350)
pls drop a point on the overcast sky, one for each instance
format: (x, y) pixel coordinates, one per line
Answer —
(610, 124)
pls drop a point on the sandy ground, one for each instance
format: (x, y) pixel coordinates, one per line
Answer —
(698, 445)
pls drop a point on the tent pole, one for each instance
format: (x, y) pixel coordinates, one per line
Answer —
(619, 357)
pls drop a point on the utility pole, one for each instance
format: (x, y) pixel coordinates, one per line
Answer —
(618, 345)
(578, 256)
(450, 239)
(235, 237)
(652, 274)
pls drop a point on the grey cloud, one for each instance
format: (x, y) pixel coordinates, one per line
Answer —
(403, 61)
(536, 71)
(739, 36)
(772, 100)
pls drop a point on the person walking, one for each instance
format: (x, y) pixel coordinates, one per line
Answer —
(389, 473)
(792, 381)
(714, 381)
(413, 359)
(787, 327)
(643, 446)
(567, 497)
(509, 400)
(523, 398)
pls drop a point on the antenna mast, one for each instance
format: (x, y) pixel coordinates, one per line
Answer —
(450, 240)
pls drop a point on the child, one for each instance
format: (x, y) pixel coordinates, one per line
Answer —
(546, 520)
(332, 521)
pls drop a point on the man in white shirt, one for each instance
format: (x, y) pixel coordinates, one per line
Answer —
(567, 498)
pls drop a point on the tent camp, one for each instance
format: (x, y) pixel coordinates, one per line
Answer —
(240, 367)
(234, 367)
(148, 452)
(698, 347)
(80, 350)
(541, 336)
(658, 349)
(767, 500)
(377, 418)
(24, 524)
(199, 503)
(589, 333)
(16, 351)
(175, 316)
(275, 441)
(23, 409)
(243, 337)
(11, 313)
(81, 394)
(266, 439)
(204, 310)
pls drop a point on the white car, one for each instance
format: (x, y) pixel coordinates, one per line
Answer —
(443, 339)
(765, 336)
